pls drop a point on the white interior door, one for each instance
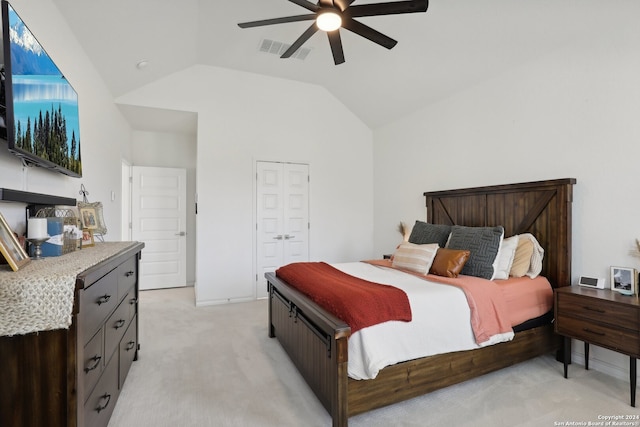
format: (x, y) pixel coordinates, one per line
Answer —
(158, 219)
(282, 228)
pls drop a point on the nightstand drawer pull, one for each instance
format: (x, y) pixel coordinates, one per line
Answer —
(593, 332)
(597, 310)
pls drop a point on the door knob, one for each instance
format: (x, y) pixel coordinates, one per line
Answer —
(278, 237)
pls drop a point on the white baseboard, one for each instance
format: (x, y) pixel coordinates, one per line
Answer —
(205, 303)
(609, 367)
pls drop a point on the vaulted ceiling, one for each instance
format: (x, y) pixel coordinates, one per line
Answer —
(455, 44)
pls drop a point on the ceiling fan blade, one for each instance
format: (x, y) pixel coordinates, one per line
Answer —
(303, 38)
(388, 8)
(336, 46)
(306, 4)
(369, 33)
(283, 20)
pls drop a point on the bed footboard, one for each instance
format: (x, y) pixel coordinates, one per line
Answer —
(315, 341)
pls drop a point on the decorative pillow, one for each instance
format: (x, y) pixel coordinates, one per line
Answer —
(522, 258)
(424, 233)
(449, 262)
(505, 257)
(414, 257)
(535, 268)
(482, 242)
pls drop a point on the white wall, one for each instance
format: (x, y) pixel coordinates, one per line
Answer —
(574, 113)
(104, 134)
(243, 118)
(172, 150)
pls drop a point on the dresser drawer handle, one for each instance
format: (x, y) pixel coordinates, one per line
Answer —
(597, 310)
(129, 273)
(102, 408)
(133, 301)
(594, 332)
(130, 345)
(103, 299)
(96, 362)
(119, 324)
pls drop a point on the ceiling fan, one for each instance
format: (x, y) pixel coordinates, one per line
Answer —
(331, 15)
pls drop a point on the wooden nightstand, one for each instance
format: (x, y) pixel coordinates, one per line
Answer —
(601, 317)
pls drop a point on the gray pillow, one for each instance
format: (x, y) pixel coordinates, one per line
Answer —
(482, 242)
(424, 233)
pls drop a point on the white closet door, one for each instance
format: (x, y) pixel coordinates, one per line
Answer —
(282, 229)
(158, 219)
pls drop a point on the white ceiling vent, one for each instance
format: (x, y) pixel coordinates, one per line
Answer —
(278, 48)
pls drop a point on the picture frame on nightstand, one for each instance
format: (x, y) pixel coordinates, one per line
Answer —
(624, 280)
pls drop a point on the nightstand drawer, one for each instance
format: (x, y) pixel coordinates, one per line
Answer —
(620, 340)
(598, 310)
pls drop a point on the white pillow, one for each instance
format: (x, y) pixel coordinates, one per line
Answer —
(413, 257)
(505, 257)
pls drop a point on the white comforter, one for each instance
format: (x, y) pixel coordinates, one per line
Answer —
(441, 323)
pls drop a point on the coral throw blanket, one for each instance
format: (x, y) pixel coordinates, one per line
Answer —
(489, 315)
(357, 302)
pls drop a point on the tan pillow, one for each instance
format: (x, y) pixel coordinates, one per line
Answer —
(412, 257)
(449, 262)
(522, 258)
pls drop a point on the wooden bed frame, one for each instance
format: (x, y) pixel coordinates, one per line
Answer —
(316, 341)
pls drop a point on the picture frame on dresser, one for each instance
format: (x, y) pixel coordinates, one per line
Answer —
(88, 218)
(624, 280)
(94, 216)
(87, 238)
(10, 247)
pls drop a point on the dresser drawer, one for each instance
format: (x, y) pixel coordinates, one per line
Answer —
(97, 302)
(132, 301)
(100, 404)
(621, 340)
(115, 328)
(128, 347)
(127, 275)
(595, 309)
(93, 362)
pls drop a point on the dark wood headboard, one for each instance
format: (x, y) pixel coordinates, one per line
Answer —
(542, 208)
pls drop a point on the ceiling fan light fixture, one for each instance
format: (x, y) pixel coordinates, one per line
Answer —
(329, 20)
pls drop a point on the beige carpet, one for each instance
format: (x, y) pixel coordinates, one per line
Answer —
(215, 366)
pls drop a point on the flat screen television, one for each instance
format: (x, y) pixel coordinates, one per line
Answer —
(39, 107)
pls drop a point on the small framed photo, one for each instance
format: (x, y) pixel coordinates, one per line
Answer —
(10, 247)
(624, 280)
(95, 217)
(87, 238)
(88, 217)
